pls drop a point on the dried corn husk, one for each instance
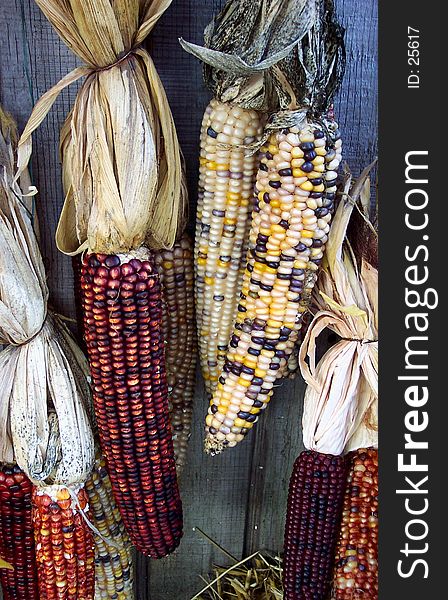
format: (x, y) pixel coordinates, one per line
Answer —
(341, 401)
(121, 157)
(244, 41)
(44, 393)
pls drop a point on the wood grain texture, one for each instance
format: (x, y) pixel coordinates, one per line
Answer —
(237, 498)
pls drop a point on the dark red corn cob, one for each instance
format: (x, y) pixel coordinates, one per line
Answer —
(122, 307)
(77, 264)
(356, 565)
(316, 493)
(16, 536)
(64, 545)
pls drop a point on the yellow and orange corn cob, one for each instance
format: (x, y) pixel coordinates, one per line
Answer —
(64, 544)
(356, 566)
(175, 268)
(226, 182)
(296, 189)
(316, 493)
(122, 306)
(114, 575)
(16, 536)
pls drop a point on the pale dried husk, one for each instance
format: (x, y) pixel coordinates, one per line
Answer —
(44, 391)
(120, 152)
(244, 41)
(341, 400)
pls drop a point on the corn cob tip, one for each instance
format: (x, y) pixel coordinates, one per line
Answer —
(213, 446)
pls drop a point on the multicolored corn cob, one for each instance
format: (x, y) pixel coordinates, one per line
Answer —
(316, 493)
(291, 368)
(226, 182)
(16, 536)
(356, 567)
(175, 268)
(122, 305)
(64, 544)
(296, 188)
(114, 575)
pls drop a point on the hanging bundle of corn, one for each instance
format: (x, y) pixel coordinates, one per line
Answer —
(114, 575)
(356, 563)
(175, 268)
(16, 536)
(124, 196)
(290, 223)
(340, 405)
(241, 43)
(44, 396)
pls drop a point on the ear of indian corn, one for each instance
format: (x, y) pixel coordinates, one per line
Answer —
(296, 185)
(175, 268)
(231, 130)
(114, 575)
(356, 563)
(295, 194)
(64, 544)
(316, 492)
(125, 195)
(122, 305)
(16, 536)
(226, 181)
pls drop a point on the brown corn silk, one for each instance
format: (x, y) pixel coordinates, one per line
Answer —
(123, 179)
(114, 571)
(45, 396)
(16, 536)
(340, 409)
(355, 574)
(299, 156)
(241, 43)
(175, 268)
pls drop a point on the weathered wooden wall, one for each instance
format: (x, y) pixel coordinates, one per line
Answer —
(237, 498)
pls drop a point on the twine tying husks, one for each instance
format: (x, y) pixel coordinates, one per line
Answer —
(341, 401)
(75, 500)
(120, 153)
